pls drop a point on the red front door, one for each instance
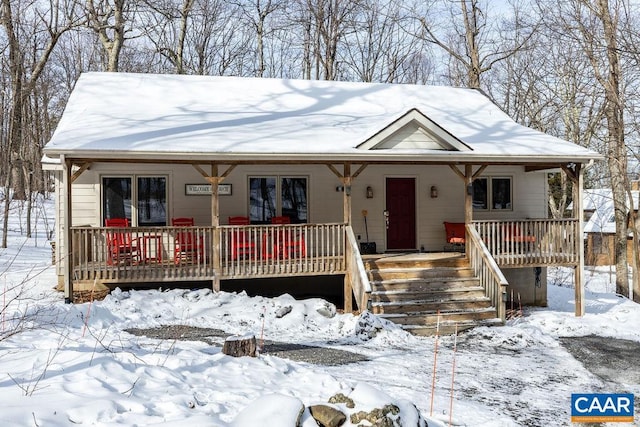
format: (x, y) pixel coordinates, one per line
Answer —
(401, 209)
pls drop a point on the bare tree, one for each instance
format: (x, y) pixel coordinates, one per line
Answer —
(472, 41)
(331, 20)
(601, 48)
(382, 43)
(255, 14)
(32, 33)
(549, 87)
(167, 26)
(108, 20)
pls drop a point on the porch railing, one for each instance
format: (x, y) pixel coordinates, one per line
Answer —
(141, 254)
(531, 242)
(357, 272)
(150, 254)
(282, 250)
(488, 272)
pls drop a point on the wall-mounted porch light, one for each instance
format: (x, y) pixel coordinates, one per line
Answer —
(434, 192)
(369, 192)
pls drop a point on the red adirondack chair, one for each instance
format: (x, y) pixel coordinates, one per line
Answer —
(241, 244)
(286, 243)
(122, 247)
(188, 246)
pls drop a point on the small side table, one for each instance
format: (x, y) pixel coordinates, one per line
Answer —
(152, 248)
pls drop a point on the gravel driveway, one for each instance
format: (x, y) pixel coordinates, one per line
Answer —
(300, 353)
(612, 359)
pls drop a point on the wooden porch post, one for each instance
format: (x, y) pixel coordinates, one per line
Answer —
(578, 204)
(468, 203)
(215, 222)
(468, 176)
(346, 182)
(67, 240)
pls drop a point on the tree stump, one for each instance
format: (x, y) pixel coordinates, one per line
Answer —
(238, 346)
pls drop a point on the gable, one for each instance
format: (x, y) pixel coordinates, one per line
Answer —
(414, 130)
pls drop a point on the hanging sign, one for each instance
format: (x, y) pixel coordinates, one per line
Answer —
(205, 189)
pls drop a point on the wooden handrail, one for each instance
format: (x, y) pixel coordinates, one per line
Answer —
(245, 252)
(487, 270)
(154, 254)
(282, 250)
(531, 242)
(357, 272)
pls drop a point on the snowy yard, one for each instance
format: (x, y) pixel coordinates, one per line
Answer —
(76, 364)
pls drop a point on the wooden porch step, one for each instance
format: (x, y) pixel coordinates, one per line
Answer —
(411, 292)
(431, 318)
(453, 294)
(449, 328)
(430, 306)
(439, 284)
(387, 262)
(419, 272)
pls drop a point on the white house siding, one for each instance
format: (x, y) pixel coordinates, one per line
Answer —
(529, 200)
(529, 194)
(324, 202)
(59, 225)
(86, 191)
(411, 137)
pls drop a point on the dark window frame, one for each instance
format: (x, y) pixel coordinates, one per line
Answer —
(490, 194)
(288, 198)
(131, 207)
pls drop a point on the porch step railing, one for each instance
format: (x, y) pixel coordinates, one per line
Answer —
(487, 271)
(357, 273)
(531, 242)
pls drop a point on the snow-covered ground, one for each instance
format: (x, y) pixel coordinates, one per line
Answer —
(75, 364)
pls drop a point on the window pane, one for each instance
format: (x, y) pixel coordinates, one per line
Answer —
(152, 201)
(598, 246)
(480, 200)
(501, 193)
(116, 202)
(294, 199)
(262, 199)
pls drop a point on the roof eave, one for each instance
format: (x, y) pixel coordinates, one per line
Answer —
(368, 156)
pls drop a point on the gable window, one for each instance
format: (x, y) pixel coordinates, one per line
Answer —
(141, 199)
(492, 193)
(277, 195)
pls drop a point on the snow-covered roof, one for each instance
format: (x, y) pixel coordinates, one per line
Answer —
(600, 201)
(593, 198)
(150, 115)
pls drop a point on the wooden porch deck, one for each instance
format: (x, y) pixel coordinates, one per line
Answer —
(323, 250)
(271, 251)
(167, 270)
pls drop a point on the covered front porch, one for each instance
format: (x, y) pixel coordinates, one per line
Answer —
(262, 250)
